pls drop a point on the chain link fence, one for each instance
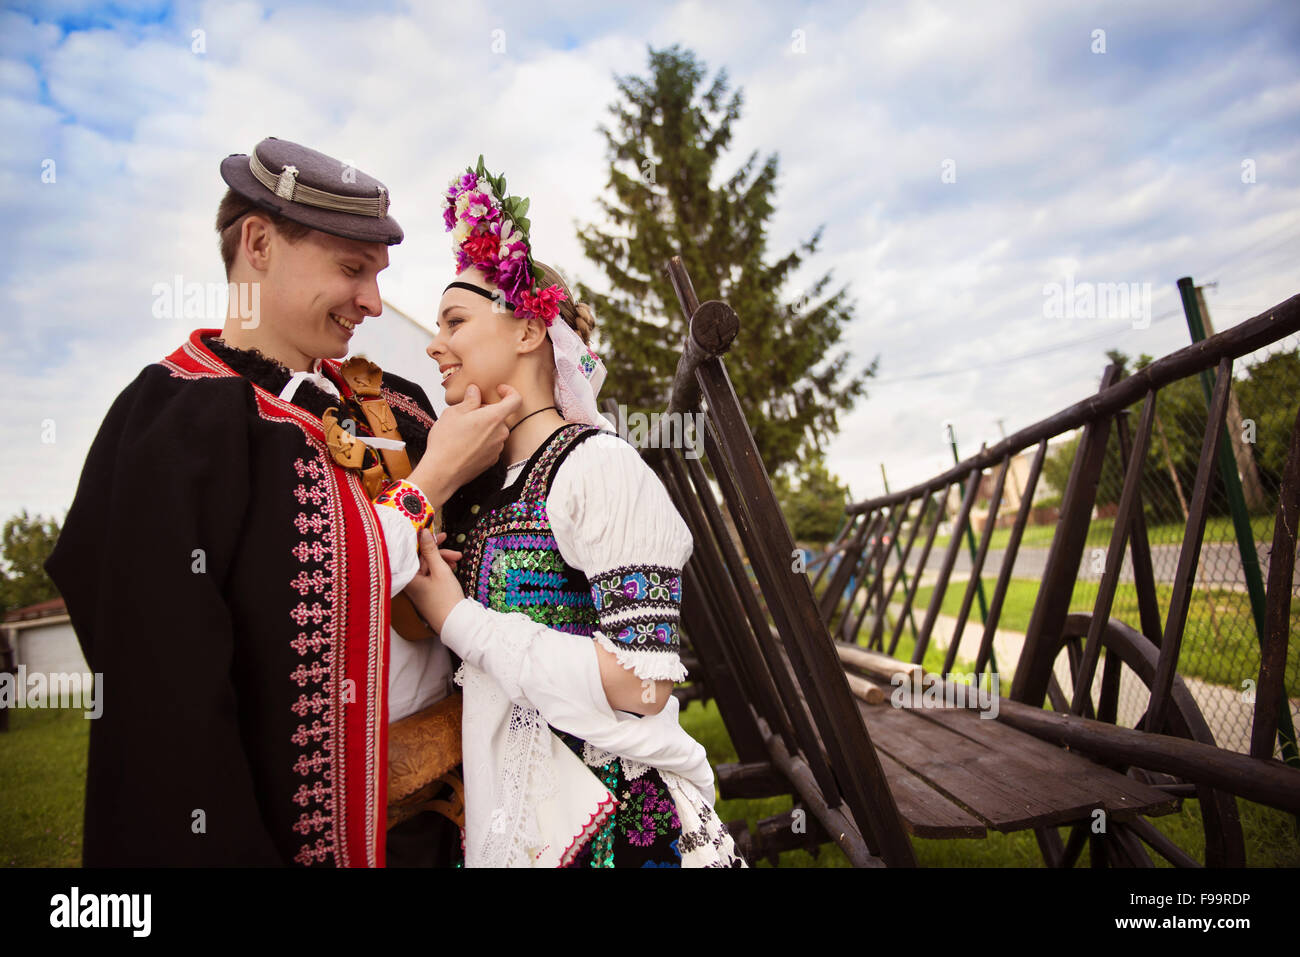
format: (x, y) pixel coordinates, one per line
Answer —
(1219, 657)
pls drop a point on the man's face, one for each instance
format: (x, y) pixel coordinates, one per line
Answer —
(318, 287)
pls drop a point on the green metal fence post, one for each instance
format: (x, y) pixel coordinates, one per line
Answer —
(1240, 517)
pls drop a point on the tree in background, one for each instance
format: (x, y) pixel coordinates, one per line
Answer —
(814, 505)
(27, 542)
(665, 150)
(1169, 472)
(1266, 396)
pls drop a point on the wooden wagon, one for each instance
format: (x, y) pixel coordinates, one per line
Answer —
(814, 714)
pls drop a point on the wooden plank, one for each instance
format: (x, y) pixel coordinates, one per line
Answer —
(1264, 781)
(749, 648)
(1022, 784)
(1086, 669)
(920, 569)
(926, 812)
(1121, 796)
(985, 654)
(973, 585)
(879, 564)
(1034, 670)
(858, 780)
(1144, 578)
(945, 570)
(877, 625)
(1002, 792)
(757, 779)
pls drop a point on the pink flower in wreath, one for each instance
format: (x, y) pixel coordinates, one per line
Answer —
(545, 305)
(480, 247)
(514, 278)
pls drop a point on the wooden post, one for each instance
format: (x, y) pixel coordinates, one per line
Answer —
(1270, 694)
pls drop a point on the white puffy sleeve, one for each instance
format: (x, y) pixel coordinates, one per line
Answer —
(402, 545)
(613, 519)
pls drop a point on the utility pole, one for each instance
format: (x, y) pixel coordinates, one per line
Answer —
(1251, 486)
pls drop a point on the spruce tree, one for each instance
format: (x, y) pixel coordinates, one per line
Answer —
(667, 196)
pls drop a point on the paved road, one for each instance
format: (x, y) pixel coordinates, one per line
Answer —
(1219, 565)
(1227, 712)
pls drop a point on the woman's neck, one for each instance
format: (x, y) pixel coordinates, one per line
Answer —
(532, 431)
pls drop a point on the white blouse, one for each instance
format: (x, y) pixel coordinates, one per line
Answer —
(613, 520)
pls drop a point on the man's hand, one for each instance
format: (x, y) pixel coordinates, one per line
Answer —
(434, 590)
(465, 441)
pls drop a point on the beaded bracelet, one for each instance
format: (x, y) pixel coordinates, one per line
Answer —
(411, 502)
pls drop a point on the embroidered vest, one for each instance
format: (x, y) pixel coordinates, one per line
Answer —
(510, 561)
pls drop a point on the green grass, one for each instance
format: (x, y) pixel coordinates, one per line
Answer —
(1218, 528)
(1219, 643)
(43, 781)
(1270, 836)
(43, 767)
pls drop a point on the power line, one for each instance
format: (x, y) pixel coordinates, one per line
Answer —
(1213, 273)
(1110, 334)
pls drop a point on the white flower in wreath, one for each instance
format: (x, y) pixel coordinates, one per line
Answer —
(509, 234)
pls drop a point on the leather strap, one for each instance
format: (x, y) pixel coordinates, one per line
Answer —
(364, 378)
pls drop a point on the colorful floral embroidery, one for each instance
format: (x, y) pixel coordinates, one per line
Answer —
(646, 811)
(409, 501)
(640, 606)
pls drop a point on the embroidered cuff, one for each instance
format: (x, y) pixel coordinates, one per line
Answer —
(639, 608)
(409, 501)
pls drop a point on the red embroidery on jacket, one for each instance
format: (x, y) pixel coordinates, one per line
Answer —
(314, 673)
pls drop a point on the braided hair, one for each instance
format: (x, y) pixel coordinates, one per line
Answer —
(577, 314)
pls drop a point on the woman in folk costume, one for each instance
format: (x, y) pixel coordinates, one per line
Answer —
(571, 560)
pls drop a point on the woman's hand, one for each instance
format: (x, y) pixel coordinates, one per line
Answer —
(435, 590)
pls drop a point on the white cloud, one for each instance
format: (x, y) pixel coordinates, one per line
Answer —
(1109, 166)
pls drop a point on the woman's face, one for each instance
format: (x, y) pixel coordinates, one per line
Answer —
(474, 341)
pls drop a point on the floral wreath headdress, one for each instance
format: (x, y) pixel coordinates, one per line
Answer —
(489, 232)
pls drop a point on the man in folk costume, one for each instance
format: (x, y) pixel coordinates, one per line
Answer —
(234, 558)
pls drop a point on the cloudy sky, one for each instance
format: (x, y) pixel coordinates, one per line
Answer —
(962, 157)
